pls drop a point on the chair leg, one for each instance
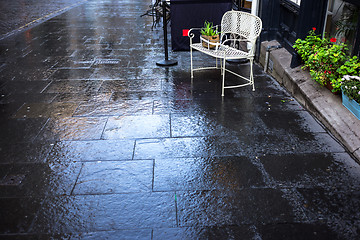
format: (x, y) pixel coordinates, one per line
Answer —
(221, 67)
(251, 74)
(223, 78)
(191, 63)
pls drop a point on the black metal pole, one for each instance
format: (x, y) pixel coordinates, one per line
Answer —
(165, 32)
(166, 62)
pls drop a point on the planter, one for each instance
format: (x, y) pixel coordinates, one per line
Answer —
(207, 40)
(330, 87)
(351, 105)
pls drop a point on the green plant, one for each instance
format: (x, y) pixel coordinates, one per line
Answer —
(350, 67)
(328, 60)
(323, 57)
(309, 45)
(351, 87)
(209, 29)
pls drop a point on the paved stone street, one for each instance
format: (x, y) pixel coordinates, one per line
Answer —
(97, 142)
(21, 14)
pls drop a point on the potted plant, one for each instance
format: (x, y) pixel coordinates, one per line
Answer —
(351, 94)
(209, 34)
(308, 47)
(351, 67)
(324, 59)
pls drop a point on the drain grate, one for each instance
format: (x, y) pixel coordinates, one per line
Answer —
(106, 61)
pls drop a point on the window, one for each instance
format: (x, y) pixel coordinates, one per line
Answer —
(341, 22)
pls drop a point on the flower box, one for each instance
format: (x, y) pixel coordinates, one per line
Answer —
(351, 105)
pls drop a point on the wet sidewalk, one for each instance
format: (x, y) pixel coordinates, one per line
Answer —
(97, 142)
(20, 15)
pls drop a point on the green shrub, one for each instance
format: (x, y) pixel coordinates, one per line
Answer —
(327, 61)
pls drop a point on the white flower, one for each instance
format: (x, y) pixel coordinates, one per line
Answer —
(346, 77)
(346, 87)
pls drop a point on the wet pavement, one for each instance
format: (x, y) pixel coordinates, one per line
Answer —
(97, 142)
(20, 15)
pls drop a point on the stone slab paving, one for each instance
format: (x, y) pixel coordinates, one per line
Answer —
(97, 142)
(19, 15)
(324, 105)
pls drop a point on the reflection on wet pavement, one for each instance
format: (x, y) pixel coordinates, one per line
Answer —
(97, 142)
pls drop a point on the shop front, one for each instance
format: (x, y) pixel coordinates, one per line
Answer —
(288, 20)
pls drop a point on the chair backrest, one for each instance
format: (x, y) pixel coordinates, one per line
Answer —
(244, 24)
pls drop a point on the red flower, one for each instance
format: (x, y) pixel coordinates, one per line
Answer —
(333, 40)
(314, 28)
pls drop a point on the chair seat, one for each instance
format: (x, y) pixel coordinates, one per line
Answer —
(223, 51)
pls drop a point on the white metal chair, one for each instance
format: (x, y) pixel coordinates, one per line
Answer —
(237, 29)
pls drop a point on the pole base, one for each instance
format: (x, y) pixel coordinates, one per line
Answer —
(165, 63)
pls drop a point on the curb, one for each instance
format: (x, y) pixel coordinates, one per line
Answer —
(318, 100)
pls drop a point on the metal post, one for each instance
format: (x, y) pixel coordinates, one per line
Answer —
(166, 62)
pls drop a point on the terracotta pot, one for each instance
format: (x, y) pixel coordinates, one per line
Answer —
(330, 87)
(213, 39)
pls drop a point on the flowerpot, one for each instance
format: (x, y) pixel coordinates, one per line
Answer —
(330, 87)
(351, 105)
(212, 39)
